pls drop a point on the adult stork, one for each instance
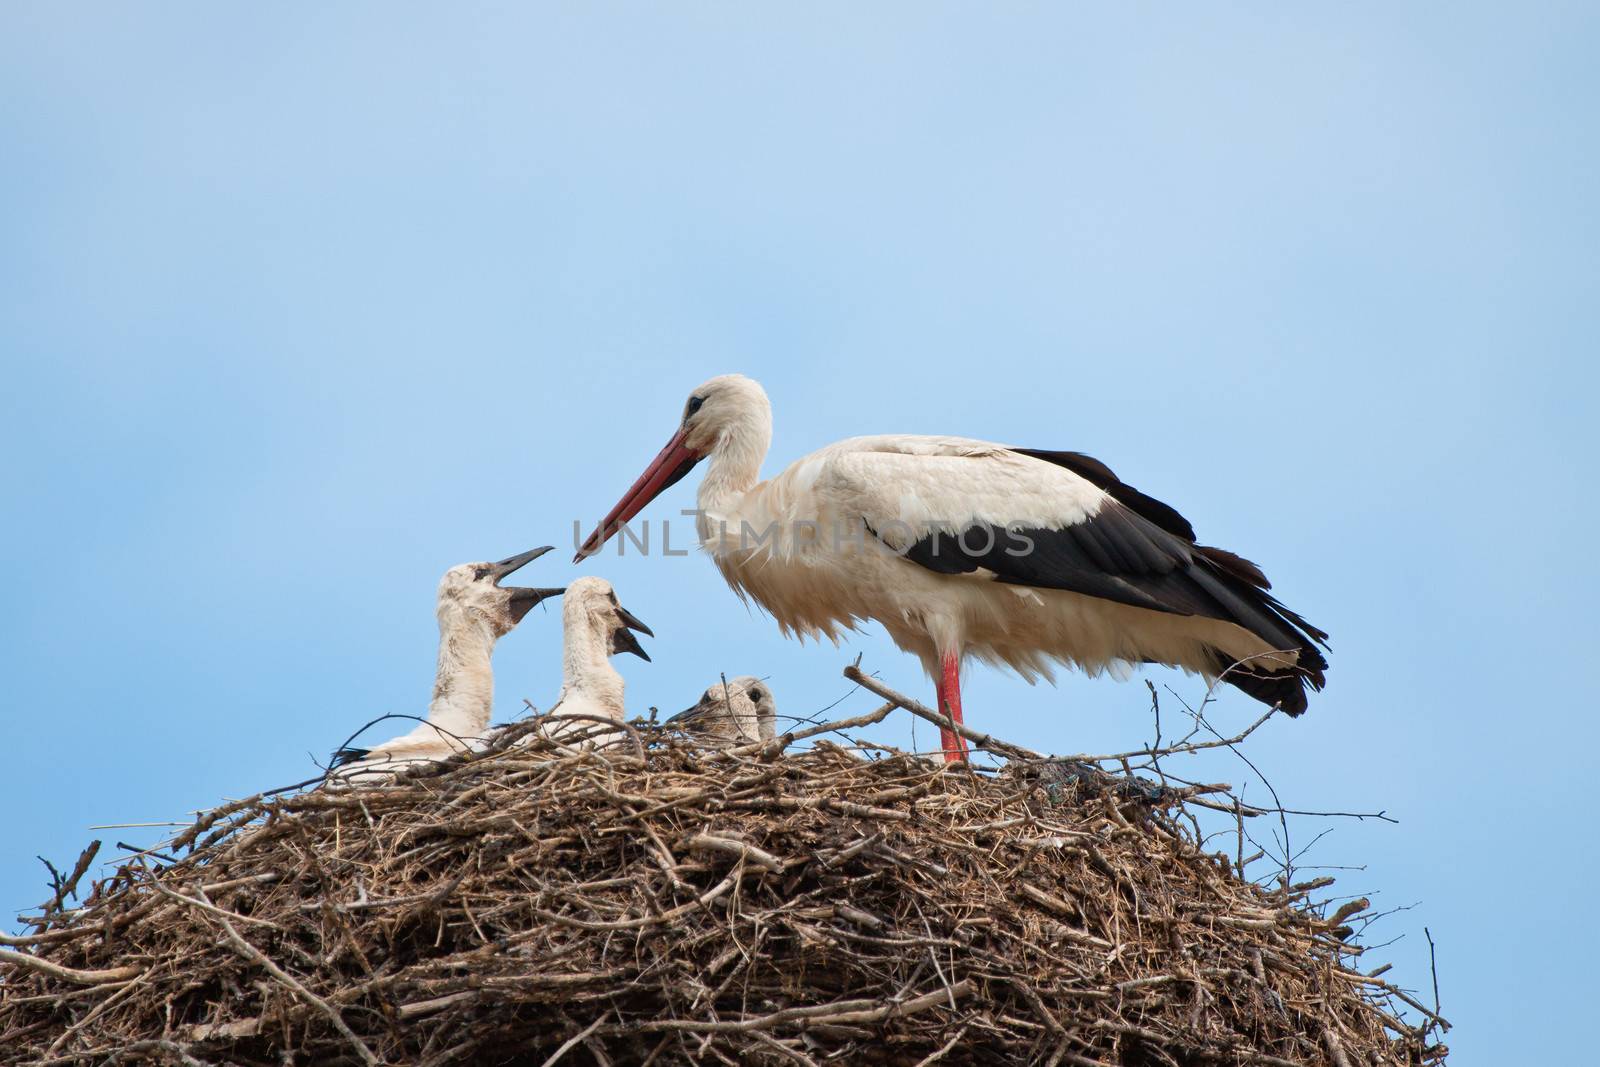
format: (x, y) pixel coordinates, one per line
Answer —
(969, 549)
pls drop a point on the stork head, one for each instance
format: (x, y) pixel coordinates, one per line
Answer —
(591, 607)
(471, 592)
(728, 414)
(738, 710)
(729, 405)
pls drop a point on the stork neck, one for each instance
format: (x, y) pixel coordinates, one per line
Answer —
(586, 669)
(463, 686)
(735, 464)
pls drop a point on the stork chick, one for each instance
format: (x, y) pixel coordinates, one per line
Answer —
(595, 627)
(732, 712)
(474, 612)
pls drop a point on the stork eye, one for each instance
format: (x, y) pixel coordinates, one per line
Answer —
(478, 573)
(692, 407)
(756, 694)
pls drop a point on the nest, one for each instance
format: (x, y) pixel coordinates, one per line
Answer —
(663, 903)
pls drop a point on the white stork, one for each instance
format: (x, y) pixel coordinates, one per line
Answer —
(474, 612)
(595, 627)
(732, 712)
(964, 548)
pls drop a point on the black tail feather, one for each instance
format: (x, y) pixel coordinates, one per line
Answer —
(1284, 689)
(1267, 617)
(344, 756)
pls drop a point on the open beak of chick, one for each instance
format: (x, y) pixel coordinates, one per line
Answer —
(622, 639)
(522, 599)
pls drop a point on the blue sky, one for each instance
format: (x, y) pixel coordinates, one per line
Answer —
(299, 307)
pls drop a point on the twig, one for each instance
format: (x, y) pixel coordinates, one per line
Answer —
(938, 1054)
(205, 905)
(835, 1013)
(783, 741)
(1433, 967)
(738, 849)
(573, 1041)
(67, 886)
(985, 741)
(69, 974)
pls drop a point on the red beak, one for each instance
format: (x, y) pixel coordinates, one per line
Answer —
(669, 466)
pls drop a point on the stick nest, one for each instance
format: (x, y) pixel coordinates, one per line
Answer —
(666, 904)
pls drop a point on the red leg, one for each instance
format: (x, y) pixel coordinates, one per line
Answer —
(955, 746)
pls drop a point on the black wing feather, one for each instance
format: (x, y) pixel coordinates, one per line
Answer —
(1141, 552)
(1091, 469)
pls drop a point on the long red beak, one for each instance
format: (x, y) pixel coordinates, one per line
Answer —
(670, 465)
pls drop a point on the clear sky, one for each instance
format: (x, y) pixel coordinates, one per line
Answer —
(301, 305)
